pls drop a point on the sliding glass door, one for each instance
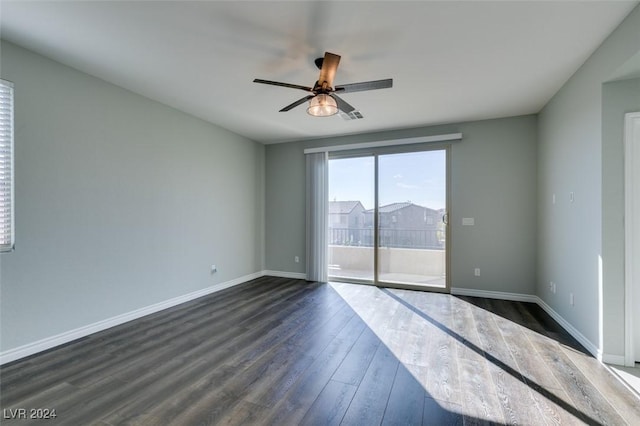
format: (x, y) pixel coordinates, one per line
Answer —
(351, 194)
(412, 199)
(387, 219)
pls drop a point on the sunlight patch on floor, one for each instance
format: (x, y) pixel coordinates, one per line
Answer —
(435, 365)
(629, 375)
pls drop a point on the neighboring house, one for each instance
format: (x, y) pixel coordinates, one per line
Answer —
(407, 225)
(346, 222)
(346, 214)
(404, 216)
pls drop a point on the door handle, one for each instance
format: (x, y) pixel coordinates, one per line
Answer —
(445, 218)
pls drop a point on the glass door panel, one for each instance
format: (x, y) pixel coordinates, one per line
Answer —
(351, 232)
(412, 201)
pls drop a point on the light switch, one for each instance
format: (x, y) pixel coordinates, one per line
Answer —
(468, 221)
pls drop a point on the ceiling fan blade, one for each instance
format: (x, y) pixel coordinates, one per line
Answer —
(296, 103)
(328, 70)
(277, 83)
(365, 85)
(342, 104)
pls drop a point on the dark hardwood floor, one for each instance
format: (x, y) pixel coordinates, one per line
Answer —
(277, 351)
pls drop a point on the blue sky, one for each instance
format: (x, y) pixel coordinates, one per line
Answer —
(418, 177)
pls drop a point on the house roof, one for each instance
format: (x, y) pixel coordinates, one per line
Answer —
(342, 207)
(393, 207)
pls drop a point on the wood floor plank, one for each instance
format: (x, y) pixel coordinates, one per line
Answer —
(586, 402)
(60, 398)
(478, 392)
(511, 387)
(369, 403)
(296, 324)
(402, 319)
(555, 406)
(275, 370)
(209, 408)
(544, 390)
(293, 406)
(206, 395)
(406, 400)
(441, 413)
(625, 403)
(395, 327)
(165, 389)
(243, 413)
(331, 404)
(463, 329)
(532, 368)
(356, 363)
(443, 379)
(419, 342)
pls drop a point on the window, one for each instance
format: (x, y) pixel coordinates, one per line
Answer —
(6, 167)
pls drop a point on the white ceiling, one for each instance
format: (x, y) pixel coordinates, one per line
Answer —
(450, 61)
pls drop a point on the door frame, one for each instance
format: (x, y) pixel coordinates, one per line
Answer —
(631, 231)
(375, 153)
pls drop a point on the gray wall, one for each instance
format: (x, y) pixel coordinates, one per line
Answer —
(618, 98)
(121, 202)
(572, 158)
(493, 179)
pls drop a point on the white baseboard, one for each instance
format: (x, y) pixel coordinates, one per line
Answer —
(284, 274)
(516, 297)
(613, 359)
(592, 348)
(68, 336)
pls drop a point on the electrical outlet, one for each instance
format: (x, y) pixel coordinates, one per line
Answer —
(296, 259)
(214, 269)
(476, 272)
(571, 300)
(552, 287)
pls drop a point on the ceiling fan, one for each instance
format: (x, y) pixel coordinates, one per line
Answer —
(323, 98)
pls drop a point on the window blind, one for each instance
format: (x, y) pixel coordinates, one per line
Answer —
(317, 203)
(6, 167)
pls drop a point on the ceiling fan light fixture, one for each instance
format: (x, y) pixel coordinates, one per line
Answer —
(322, 105)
